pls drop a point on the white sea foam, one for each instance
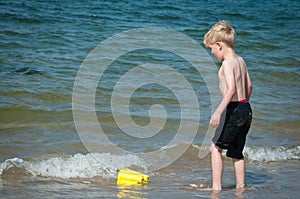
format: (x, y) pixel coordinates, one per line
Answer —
(76, 166)
(267, 154)
(14, 162)
(106, 164)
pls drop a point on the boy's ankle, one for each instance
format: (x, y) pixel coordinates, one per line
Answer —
(216, 187)
(242, 186)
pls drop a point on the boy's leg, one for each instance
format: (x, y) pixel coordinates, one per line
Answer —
(217, 167)
(239, 168)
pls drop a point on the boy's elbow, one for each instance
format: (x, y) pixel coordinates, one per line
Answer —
(249, 91)
(249, 84)
(250, 87)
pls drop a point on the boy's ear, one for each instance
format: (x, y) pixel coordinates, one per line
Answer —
(220, 45)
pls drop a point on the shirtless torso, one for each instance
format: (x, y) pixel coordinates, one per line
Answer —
(240, 77)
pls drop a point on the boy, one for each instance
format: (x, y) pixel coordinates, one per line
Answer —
(234, 110)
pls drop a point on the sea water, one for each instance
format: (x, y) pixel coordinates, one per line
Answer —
(43, 46)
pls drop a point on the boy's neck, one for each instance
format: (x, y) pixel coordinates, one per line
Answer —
(228, 53)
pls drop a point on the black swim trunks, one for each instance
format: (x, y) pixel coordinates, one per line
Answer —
(233, 128)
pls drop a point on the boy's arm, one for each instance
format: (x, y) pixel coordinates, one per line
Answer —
(249, 87)
(231, 90)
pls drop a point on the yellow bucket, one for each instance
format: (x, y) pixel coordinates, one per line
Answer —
(127, 177)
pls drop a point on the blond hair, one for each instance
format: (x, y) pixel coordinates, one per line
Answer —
(220, 32)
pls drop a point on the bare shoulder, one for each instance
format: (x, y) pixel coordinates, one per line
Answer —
(230, 64)
(242, 61)
(235, 63)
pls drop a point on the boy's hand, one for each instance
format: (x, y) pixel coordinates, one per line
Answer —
(215, 120)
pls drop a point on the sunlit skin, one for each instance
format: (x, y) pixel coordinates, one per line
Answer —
(235, 85)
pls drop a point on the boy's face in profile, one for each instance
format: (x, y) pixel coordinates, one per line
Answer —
(216, 51)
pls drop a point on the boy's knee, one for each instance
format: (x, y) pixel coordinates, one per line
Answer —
(214, 148)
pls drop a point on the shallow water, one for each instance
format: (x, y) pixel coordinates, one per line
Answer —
(43, 45)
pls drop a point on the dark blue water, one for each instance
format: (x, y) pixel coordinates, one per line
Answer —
(43, 44)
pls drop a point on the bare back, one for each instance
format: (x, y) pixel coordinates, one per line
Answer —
(241, 79)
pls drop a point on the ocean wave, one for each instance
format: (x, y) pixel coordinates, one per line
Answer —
(264, 154)
(267, 154)
(106, 165)
(77, 166)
